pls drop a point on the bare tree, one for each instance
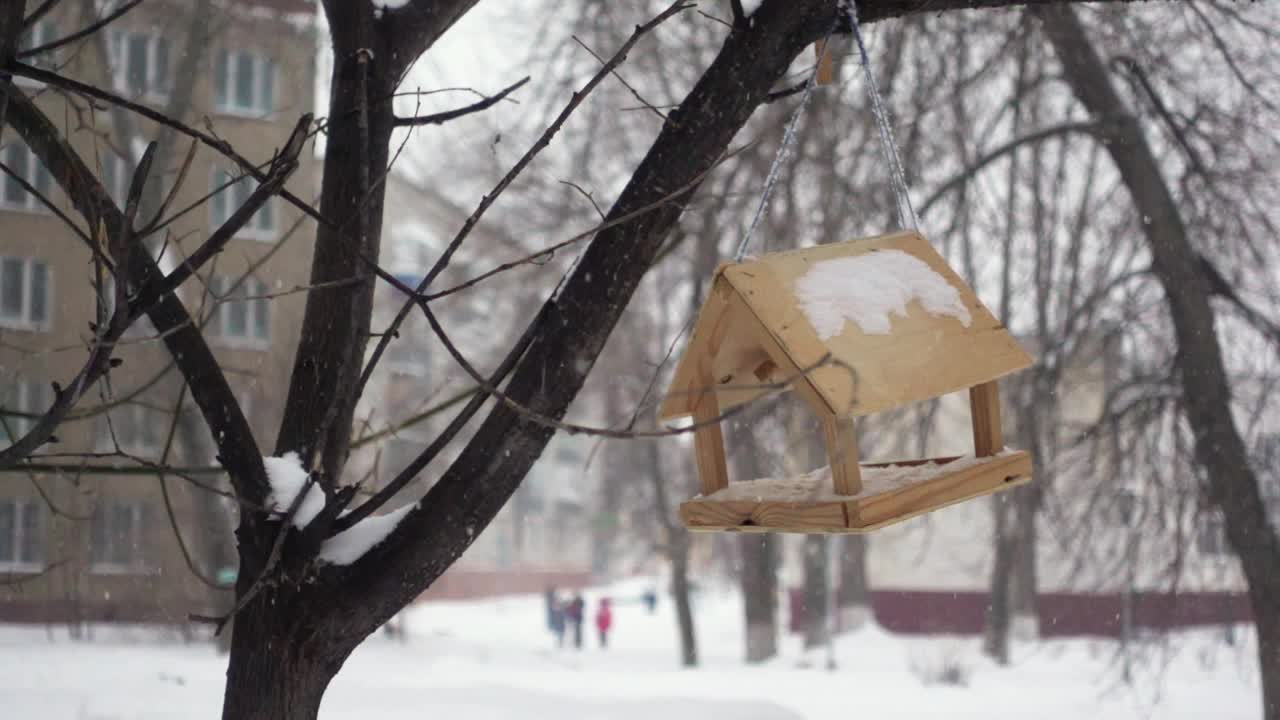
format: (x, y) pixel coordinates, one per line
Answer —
(298, 618)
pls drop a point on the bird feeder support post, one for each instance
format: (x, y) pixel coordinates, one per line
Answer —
(708, 441)
(984, 408)
(842, 453)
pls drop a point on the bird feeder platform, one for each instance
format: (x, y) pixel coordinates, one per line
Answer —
(854, 328)
(892, 492)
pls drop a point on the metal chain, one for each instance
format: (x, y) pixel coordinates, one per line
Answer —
(897, 175)
(888, 145)
(784, 151)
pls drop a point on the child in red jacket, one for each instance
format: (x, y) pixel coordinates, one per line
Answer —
(604, 621)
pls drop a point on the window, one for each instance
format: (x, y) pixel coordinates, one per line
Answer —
(138, 430)
(26, 397)
(42, 33)
(21, 536)
(244, 83)
(24, 293)
(237, 317)
(140, 63)
(406, 357)
(118, 537)
(231, 193)
(26, 165)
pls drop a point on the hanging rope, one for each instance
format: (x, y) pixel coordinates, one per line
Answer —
(897, 175)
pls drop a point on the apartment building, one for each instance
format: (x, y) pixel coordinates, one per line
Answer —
(90, 534)
(541, 536)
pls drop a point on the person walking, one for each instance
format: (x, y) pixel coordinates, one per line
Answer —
(604, 621)
(574, 613)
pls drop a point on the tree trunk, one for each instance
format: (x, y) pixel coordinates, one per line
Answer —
(1231, 482)
(815, 590)
(758, 552)
(996, 634)
(853, 595)
(760, 594)
(675, 544)
(684, 609)
(1025, 576)
(277, 672)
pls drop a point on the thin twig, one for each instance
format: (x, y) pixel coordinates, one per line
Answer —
(441, 118)
(83, 32)
(542, 142)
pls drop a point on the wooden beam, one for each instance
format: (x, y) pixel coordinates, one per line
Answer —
(708, 441)
(842, 453)
(984, 408)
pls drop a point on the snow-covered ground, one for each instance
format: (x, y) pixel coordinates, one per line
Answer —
(494, 659)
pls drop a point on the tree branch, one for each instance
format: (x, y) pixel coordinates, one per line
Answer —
(237, 448)
(441, 118)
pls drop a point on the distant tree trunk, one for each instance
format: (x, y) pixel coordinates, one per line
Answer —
(675, 545)
(1231, 483)
(853, 596)
(680, 594)
(1025, 578)
(996, 634)
(758, 553)
(760, 594)
(815, 590)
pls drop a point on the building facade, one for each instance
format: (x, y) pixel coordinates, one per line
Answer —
(90, 533)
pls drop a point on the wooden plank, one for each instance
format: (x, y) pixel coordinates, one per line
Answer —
(708, 441)
(992, 476)
(786, 367)
(763, 516)
(860, 515)
(842, 453)
(708, 331)
(984, 409)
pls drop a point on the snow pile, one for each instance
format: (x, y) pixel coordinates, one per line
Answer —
(288, 478)
(351, 544)
(868, 288)
(816, 486)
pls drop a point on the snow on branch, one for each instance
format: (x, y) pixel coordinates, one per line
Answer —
(288, 478)
(351, 544)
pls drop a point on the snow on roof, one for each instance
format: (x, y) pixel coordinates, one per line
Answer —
(287, 478)
(868, 289)
(351, 544)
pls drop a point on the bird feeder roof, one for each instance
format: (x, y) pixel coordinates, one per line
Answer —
(857, 327)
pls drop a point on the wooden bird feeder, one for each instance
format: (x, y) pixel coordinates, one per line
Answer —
(855, 328)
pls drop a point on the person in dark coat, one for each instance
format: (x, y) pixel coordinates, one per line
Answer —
(555, 616)
(604, 621)
(573, 615)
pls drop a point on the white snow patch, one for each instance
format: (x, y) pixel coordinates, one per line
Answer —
(815, 486)
(351, 544)
(287, 478)
(868, 288)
